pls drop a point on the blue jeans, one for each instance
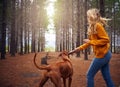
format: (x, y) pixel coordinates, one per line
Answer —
(101, 64)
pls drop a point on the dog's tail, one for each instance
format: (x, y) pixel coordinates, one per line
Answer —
(42, 67)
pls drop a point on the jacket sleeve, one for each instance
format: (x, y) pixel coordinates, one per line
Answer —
(102, 36)
(84, 46)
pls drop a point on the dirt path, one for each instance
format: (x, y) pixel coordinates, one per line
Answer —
(20, 71)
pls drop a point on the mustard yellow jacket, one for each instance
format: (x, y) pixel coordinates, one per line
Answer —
(100, 42)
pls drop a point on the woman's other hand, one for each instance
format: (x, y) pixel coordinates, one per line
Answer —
(86, 40)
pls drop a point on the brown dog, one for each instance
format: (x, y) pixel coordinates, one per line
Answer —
(57, 70)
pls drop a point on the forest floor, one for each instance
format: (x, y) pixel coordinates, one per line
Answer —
(19, 71)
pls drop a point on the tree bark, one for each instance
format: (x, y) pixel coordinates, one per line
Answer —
(85, 54)
(21, 29)
(78, 26)
(3, 41)
(12, 43)
(102, 7)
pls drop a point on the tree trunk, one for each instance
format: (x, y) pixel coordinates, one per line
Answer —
(12, 43)
(102, 7)
(21, 29)
(114, 27)
(85, 54)
(28, 40)
(3, 41)
(26, 28)
(78, 27)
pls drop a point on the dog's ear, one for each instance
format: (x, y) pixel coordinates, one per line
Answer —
(66, 53)
(63, 53)
(60, 54)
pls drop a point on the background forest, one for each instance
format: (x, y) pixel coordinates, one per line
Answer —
(23, 24)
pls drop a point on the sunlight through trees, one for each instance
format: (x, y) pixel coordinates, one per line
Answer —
(34, 25)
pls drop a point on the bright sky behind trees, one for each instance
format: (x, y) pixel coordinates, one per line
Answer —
(50, 36)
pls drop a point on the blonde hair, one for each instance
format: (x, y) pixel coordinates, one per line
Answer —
(93, 18)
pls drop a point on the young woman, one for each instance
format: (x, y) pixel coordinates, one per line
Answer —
(100, 42)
